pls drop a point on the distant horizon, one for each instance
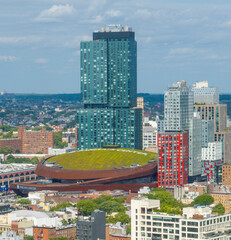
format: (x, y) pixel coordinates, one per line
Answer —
(57, 93)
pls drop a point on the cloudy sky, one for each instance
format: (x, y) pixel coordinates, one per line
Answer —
(177, 39)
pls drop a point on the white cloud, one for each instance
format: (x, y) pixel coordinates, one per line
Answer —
(114, 13)
(8, 58)
(148, 40)
(97, 19)
(180, 51)
(54, 12)
(41, 60)
(215, 57)
(75, 42)
(143, 13)
(15, 40)
(227, 24)
(96, 4)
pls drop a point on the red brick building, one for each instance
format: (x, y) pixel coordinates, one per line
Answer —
(35, 141)
(15, 143)
(45, 233)
(30, 142)
(172, 159)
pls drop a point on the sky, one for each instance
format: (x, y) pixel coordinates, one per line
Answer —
(177, 40)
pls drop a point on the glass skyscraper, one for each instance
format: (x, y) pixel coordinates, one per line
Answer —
(108, 91)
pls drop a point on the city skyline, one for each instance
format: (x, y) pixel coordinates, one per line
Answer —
(40, 42)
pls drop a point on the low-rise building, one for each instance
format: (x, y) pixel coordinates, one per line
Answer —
(13, 173)
(117, 232)
(10, 235)
(194, 223)
(226, 175)
(46, 233)
(224, 198)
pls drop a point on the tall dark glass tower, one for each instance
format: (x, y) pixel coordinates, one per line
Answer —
(108, 91)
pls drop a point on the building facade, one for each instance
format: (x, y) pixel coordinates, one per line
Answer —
(194, 161)
(215, 112)
(224, 198)
(213, 152)
(207, 132)
(194, 223)
(92, 229)
(172, 159)
(15, 173)
(149, 136)
(178, 107)
(209, 170)
(225, 138)
(108, 91)
(226, 175)
(205, 94)
(30, 142)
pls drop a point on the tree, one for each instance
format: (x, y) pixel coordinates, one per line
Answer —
(9, 150)
(27, 237)
(102, 199)
(203, 199)
(61, 206)
(119, 217)
(58, 140)
(24, 201)
(112, 206)
(64, 222)
(128, 228)
(59, 238)
(49, 129)
(219, 208)
(34, 160)
(86, 207)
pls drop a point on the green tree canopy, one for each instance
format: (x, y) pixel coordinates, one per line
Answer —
(102, 199)
(219, 208)
(104, 203)
(27, 237)
(203, 199)
(119, 217)
(61, 206)
(12, 159)
(24, 201)
(168, 203)
(86, 207)
(111, 206)
(58, 140)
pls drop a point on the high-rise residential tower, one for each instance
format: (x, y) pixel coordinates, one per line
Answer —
(180, 124)
(108, 91)
(178, 107)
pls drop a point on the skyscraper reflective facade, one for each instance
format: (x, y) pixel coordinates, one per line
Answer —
(108, 91)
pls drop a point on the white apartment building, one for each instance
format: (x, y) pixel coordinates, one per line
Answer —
(194, 223)
(149, 136)
(213, 152)
(149, 133)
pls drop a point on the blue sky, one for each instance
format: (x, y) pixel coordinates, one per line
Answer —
(177, 39)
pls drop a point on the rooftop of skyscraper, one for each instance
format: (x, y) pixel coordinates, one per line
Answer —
(181, 85)
(115, 28)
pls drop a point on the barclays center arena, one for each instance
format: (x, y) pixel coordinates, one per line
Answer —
(94, 169)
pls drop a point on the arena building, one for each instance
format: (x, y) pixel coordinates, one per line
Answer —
(98, 169)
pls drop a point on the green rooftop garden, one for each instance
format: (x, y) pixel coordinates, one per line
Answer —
(102, 159)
